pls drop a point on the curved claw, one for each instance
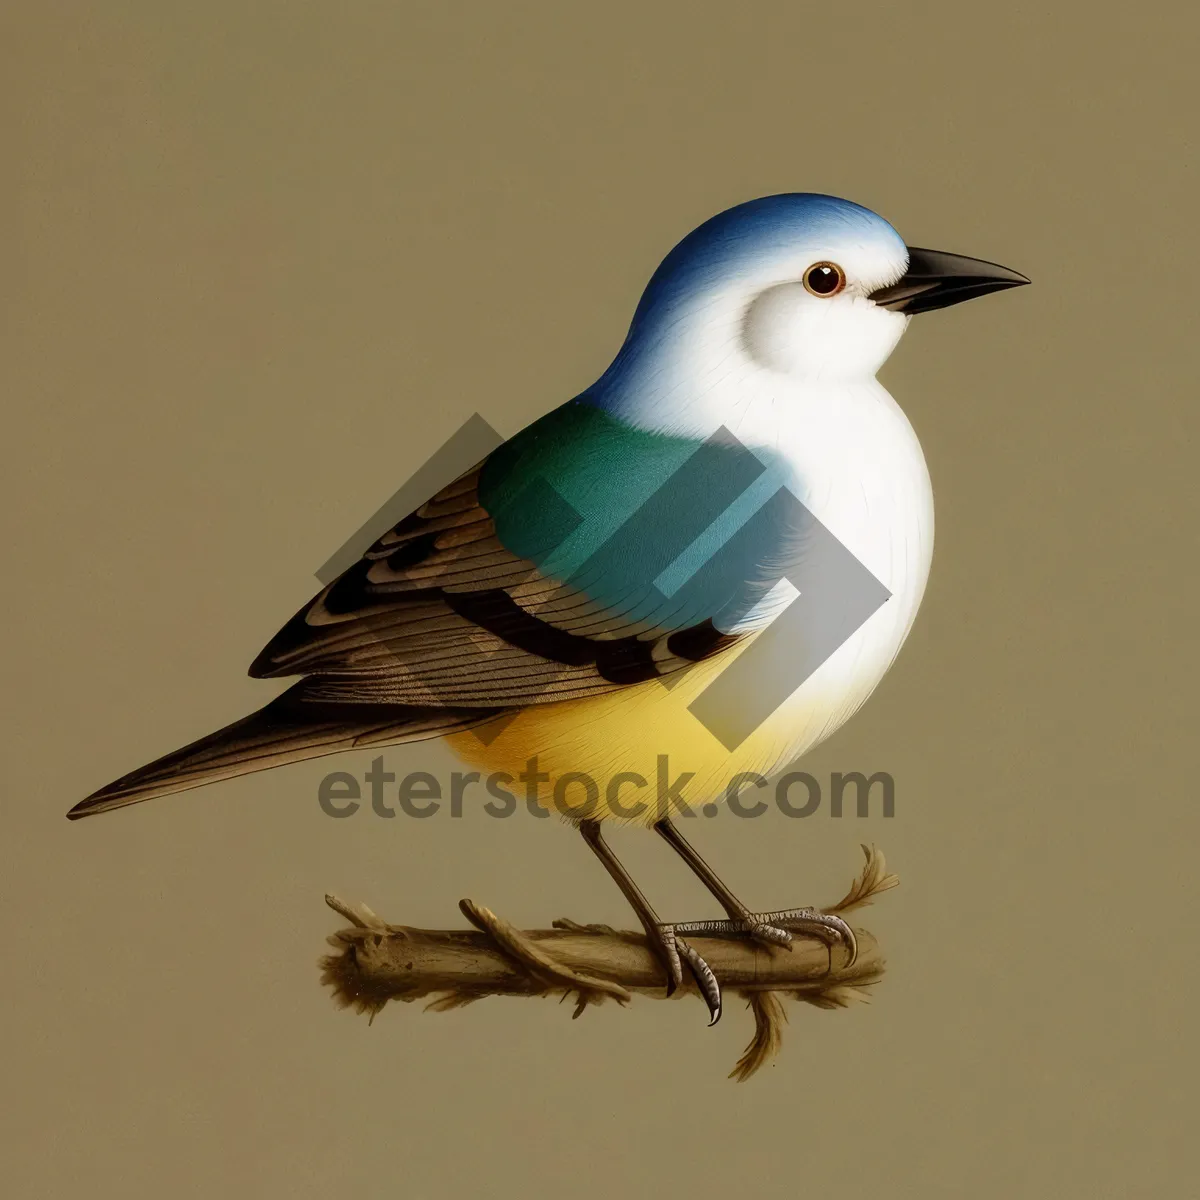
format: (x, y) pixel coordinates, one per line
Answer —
(706, 981)
(826, 926)
(848, 938)
(678, 952)
(840, 931)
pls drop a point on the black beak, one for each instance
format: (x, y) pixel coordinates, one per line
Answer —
(935, 279)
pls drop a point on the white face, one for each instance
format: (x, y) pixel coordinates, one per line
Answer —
(811, 318)
(744, 345)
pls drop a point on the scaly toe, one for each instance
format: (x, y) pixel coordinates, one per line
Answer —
(813, 923)
(677, 952)
(769, 935)
(668, 952)
(706, 981)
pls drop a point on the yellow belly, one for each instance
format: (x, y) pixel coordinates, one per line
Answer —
(594, 752)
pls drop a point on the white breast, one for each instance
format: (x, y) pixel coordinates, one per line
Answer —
(860, 470)
(858, 467)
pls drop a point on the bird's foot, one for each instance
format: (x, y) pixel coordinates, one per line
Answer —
(769, 929)
(811, 922)
(675, 952)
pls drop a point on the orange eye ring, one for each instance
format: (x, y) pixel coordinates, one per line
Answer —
(824, 279)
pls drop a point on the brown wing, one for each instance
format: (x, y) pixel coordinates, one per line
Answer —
(438, 628)
(438, 612)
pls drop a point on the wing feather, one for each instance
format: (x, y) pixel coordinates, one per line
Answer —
(439, 612)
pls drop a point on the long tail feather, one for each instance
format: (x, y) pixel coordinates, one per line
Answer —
(289, 729)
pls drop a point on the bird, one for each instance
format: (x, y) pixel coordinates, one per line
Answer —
(571, 599)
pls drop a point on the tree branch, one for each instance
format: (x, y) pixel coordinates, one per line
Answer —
(376, 962)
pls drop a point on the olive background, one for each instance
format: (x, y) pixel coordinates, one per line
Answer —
(260, 261)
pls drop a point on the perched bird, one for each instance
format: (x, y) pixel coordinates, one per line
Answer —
(573, 597)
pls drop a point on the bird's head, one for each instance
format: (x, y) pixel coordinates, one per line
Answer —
(804, 284)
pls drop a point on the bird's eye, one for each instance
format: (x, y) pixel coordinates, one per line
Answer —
(825, 279)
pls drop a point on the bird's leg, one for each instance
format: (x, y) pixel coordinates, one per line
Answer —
(773, 928)
(670, 949)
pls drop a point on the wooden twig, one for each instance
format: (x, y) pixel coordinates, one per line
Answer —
(375, 962)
